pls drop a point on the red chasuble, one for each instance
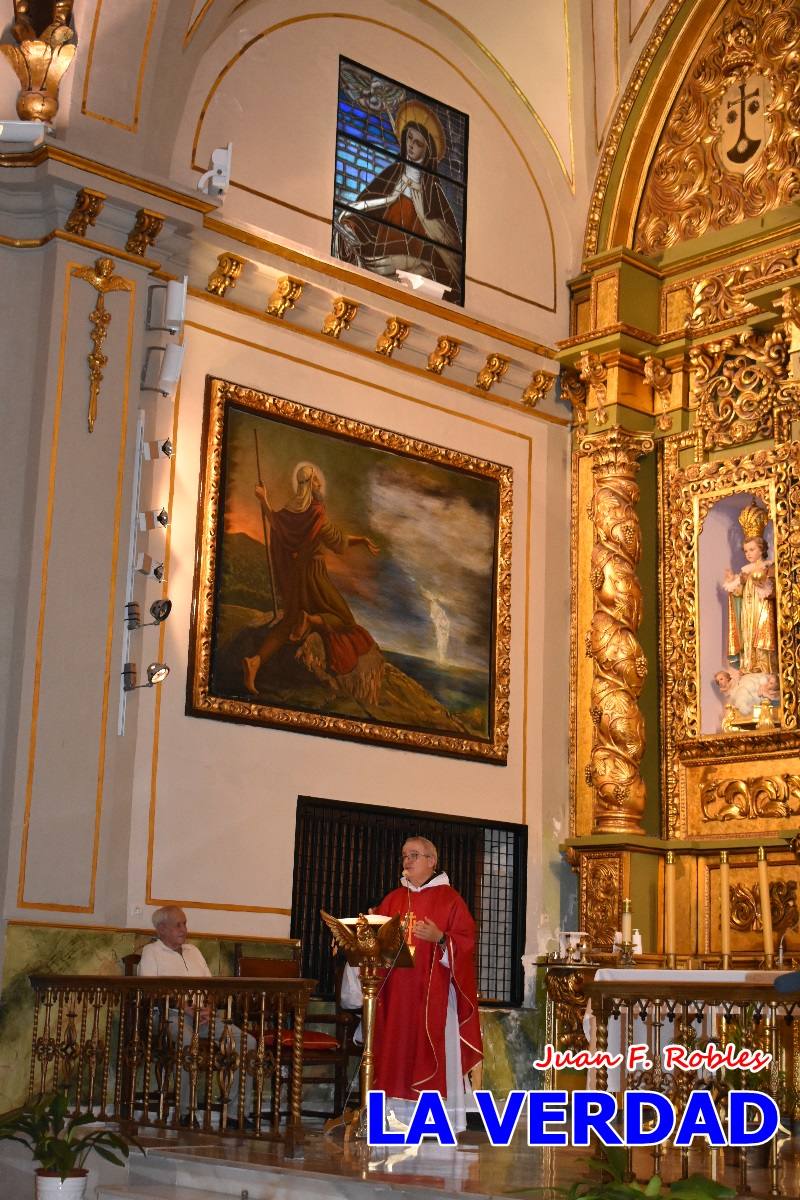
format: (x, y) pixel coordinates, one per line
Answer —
(412, 1007)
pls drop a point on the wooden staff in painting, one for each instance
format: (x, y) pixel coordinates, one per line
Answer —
(264, 526)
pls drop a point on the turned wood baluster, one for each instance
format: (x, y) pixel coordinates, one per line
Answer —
(277, 1079)
(297, 1062)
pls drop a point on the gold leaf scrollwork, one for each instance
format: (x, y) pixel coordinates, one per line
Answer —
(288, 291)
(720, 299)
(660, 379)
(340, 318)
(146, 228)
(600, 898)
(728, 150)
(224, 276)
(565, 991)
(537, 389)
(574, 389)
(735, 383)
(771, 796)
(85, 211)
(746, 906)
(492, 371)
(620, 666)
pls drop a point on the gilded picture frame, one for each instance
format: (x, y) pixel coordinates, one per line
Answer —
(708, 510)
(350, 581)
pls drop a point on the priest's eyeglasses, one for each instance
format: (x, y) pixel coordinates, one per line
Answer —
(413, 855)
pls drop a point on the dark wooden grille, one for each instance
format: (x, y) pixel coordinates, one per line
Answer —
(347, 857)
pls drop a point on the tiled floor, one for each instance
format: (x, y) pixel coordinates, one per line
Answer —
(473, 1168)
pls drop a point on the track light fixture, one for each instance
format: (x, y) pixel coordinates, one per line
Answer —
(159, 611)
(151, 450)
(146, 565)
(154, 518)
(156, 673)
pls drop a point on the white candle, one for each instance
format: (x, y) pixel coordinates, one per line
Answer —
(766, 911)
(725, 904)
(627, 922)
(669, 889)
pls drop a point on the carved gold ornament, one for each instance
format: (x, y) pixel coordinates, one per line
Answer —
(102, 278)
(659, 378)
(601, 886)
(729, 147)
(746, 906)
(594, 374)
(735, 383)
(573, 387)
(340, 318)
(287, 292)
(565, 991)
(224, 276)
(763, 796)
(492, 371)
(620, 667)
(719, 299)
(146, 228)
(444, 355)
(540, 384)
(85, 211)
(393, 336)
(40, 60)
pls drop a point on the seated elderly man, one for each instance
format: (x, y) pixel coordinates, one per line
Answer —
(173, 955)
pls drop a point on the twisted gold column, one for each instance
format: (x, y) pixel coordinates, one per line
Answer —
(620, 667)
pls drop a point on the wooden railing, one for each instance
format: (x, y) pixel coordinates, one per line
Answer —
(166, 1052)
(692, 1014)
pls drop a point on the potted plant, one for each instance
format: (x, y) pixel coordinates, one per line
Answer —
(607, 1181)
(61, 1144)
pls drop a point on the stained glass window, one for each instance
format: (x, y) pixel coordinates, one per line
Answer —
(400, 193)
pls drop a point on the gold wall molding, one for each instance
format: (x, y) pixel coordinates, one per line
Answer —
(540, 384)
(224, 276)
(41, 57)
(393, 336)
(71, 273)
(491, 372)
(618, 127)
(552, 305)
(444, 354)
(761, 796)
(85, 211)
(619, 664)
(396, 363)
(146, 228)
(131, 126)
(286, 294)
(372, 283)
(340, 318)
(102, 278)
(747, 68)
(735, 386)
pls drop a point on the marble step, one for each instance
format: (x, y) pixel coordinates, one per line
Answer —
(147, 1191)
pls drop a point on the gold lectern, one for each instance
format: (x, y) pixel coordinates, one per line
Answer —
(369, 944)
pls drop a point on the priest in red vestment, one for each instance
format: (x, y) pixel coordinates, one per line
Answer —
(427, 1031)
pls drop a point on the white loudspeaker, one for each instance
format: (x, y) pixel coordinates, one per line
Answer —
(171, 368)
(175, 303)
(157, 449)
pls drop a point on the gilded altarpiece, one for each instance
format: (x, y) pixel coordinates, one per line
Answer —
(730, 600)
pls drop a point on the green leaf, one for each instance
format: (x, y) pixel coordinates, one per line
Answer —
(697, 1187)
(653, 1187)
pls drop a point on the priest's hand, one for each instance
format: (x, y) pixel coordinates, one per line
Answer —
(427, 930)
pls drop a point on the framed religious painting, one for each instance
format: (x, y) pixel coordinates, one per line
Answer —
(400, 191)
(332, 595)
(730, 642)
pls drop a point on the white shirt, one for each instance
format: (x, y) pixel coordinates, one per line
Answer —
(158, 959)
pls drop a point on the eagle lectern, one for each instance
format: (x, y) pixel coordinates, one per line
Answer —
(371, 944)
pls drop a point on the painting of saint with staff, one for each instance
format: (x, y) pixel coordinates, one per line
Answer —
(352, 588)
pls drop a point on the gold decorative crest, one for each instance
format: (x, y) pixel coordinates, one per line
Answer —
(729, 148)
(746, 906)
(764, 796)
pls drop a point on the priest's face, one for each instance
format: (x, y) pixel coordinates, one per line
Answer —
(173, 932)
(418, 866)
